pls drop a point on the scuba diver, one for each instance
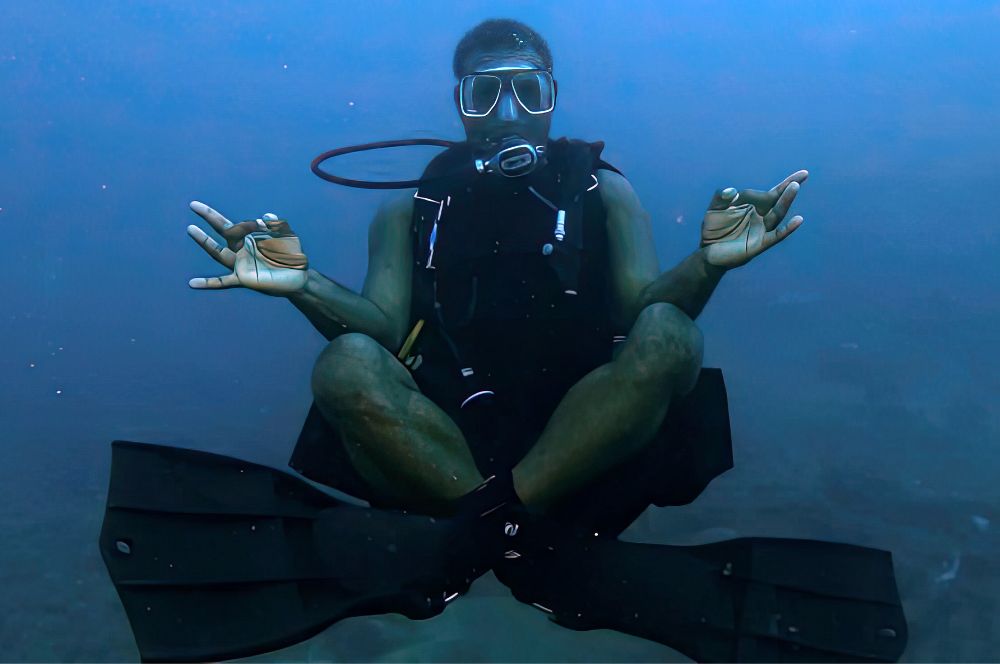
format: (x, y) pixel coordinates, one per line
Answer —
(516, 382)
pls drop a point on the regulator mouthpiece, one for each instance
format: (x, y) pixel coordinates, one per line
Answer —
(515, 158)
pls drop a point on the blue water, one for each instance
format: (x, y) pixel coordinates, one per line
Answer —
(860, 354)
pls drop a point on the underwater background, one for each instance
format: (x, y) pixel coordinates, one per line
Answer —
(861, 355)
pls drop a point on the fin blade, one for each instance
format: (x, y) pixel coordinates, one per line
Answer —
(217, 558)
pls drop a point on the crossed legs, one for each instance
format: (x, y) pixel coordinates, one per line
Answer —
(406, 447)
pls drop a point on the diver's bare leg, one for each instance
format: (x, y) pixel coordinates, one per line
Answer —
(613, 411)
(399, 441)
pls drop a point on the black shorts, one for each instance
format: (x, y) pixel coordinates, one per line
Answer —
(692, 447)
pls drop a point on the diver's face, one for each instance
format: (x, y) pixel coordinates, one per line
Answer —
(507, 117)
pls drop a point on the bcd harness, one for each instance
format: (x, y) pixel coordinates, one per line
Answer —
(498, 264)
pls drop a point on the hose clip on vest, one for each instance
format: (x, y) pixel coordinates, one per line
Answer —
(560, 230)
(515, 158)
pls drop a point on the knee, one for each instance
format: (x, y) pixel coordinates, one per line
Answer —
(347, 366)
(667, 347)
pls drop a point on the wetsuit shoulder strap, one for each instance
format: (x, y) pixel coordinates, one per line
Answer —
(603, 165)
(597, 147)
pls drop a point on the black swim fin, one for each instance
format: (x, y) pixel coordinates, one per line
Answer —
(216, 558)
(742, 600)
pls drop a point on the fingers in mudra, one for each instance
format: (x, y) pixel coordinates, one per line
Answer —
(215, 283)
(797, 177)
(246, 269)
(783, 230)
(237, 233)
(225, 255)
(221, 254)
(781, 206)
(723, 198)
(764, 201)
(215, 219)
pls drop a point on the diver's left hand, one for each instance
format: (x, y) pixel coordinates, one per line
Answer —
(733, 234)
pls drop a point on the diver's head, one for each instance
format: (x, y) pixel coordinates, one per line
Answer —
(505, 89)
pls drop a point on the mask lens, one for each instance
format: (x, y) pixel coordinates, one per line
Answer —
(535, 91)
(479, 94)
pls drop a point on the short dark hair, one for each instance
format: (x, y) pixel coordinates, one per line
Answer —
(499, 34)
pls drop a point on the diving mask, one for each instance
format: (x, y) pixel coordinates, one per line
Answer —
(534, 90)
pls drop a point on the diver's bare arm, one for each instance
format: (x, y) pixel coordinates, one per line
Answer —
(382, 309)
(334, 309)
(688, 286)
(635, 273)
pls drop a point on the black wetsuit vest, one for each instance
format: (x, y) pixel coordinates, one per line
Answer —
(510, 277)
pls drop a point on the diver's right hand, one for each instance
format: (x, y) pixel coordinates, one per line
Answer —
(264, 254)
